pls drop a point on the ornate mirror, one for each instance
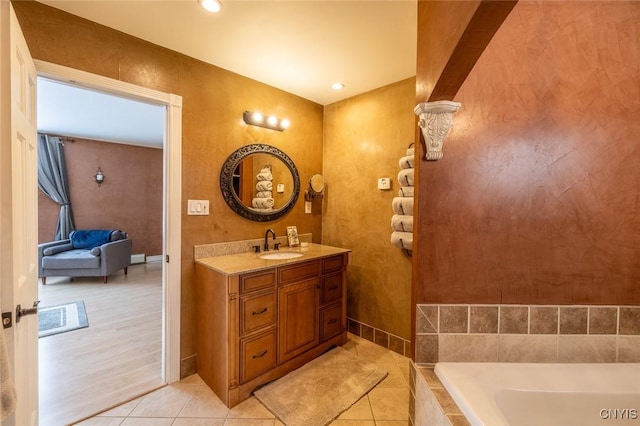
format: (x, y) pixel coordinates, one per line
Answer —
(259, 182)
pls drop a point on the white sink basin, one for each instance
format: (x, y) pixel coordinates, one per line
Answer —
(280, 255)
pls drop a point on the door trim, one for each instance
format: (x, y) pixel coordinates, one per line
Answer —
(172, 183)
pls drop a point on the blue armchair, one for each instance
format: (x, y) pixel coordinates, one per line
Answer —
(90, 253)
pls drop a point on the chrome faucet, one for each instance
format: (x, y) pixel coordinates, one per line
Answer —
(266, 238)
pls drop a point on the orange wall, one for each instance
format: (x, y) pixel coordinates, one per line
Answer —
(212, 128)
(365, 137)
(536, 198)
(130, 198)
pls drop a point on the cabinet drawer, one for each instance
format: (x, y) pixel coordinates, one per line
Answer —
(257, 280)
(299, 272)
(330, 321)
(331, 288)
(332, 264)
(257, 355)
(257, 311)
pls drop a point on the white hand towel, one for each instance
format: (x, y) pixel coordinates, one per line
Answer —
(264, 176)
(265, 170)
(264, 185)
(403, 240)
(264, 194)
(411, 151)
(403, 205)
(402, 222)
(405, 177)
(405, 191)
(263, 203)
(406, 162)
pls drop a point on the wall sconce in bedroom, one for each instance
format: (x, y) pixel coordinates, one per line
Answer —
(213, 6)
(99, 176)
(271, 122)
(436, 119)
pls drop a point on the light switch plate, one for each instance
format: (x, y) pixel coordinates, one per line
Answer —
(198, 208)
(280, 188)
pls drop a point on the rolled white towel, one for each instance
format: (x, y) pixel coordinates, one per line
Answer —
(405, 177)
(403, 240)
(261, 210)
(405, 191)
(402, 222)
(264, 194)
(406, 162)
(403, 205)
(411, 151)
(265, 170)
(264, 176)
(263, 203)
(264, 185)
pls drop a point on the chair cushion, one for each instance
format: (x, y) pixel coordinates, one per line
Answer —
(72, 259)
(56, 249)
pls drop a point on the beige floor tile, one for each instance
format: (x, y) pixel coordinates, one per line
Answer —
(250, 409)
(353, 423)
(122, 410)
(147, 421)
(102, 421)
(389, 403)
(165, 402)
(373, 353)
(361, 410)
(249, 422)
(190, 421)
(394, 377)
(204, 403)
(392, 422)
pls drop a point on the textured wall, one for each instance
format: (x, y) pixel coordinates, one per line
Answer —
(536, 198)
(365, 137)
(130, 198)
(213, 103)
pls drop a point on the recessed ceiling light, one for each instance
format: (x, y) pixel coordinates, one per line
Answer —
(213, 6)
(337, 86)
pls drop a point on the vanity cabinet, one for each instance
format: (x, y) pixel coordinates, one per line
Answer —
(255, 327)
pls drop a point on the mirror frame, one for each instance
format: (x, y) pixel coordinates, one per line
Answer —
(230, 196)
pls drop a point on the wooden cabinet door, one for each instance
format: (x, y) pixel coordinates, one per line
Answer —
(298, 318)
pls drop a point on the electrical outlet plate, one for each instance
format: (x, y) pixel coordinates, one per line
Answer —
(384, 183)
(198, 208)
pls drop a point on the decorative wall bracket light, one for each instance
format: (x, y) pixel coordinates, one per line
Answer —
(99, 176)
(269, 122)
(436, 119)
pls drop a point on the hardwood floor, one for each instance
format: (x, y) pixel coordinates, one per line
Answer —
(117, 358)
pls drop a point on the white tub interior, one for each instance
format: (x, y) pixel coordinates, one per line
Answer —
(510, 394)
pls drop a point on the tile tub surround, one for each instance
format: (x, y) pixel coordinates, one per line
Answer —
(527, 333)
(430, 402)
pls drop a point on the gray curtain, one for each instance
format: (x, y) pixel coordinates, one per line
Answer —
(52, 180)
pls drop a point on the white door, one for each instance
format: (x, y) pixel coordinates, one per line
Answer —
(18, 213)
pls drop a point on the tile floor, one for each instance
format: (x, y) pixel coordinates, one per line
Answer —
(191, 402)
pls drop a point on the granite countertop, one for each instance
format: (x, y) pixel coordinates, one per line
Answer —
(241, 263)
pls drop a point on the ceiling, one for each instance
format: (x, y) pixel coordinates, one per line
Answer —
(299, 46)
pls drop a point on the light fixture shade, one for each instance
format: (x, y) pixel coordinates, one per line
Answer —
(99, 176)
(213, 6)
(272, 122)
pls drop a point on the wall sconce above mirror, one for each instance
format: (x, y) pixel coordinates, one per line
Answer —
(269, 122)
(99, 176)
(316, 186)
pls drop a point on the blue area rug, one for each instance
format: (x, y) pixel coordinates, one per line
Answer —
(62, 318)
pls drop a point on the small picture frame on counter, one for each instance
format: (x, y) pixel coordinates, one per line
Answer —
(292, 235)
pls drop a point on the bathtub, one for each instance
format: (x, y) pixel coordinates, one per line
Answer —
(510, 394)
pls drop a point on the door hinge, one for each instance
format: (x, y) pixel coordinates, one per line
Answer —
(166, 258)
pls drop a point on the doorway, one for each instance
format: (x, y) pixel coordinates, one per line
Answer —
(168, 273)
